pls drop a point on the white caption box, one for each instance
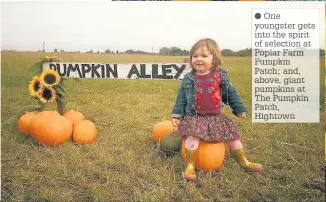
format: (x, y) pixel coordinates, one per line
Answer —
(285, 65)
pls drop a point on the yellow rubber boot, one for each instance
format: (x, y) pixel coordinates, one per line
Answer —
(190, 173)
(239, 156)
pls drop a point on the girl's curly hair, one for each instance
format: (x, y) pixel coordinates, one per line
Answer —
(212, 47)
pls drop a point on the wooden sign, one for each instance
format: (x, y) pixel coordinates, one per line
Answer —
(166, 71)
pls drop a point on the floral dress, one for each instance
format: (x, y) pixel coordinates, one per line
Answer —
(209, 124)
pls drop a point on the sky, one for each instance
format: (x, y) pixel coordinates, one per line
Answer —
(84, 26)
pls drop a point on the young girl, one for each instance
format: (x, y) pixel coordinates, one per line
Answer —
(197, 111)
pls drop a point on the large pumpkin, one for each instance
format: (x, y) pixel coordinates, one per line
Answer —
(74, 116)
(50, 128)
(170, 144)
(24, 122)
(40, 117)
(84, 132)
(209, 155)
(161, 128)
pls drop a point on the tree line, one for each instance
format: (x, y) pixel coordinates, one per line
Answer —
(175, 51)
(172, 51)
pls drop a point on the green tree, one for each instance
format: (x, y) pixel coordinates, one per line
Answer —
(164, 51)
(227, 52)
(175, 51)
(244, 52)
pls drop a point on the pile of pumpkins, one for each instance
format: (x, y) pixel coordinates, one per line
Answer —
(164, 133)
(209, 155)
(50, 128)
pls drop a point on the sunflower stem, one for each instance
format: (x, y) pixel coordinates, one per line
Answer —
(61, 106)
(61, 102)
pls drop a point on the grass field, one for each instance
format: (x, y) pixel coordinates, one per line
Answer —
(125, 165)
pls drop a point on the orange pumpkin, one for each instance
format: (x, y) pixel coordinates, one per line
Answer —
(37, 118)
(50, 128)
(24, 122)
(209, 155)
(84, 132)
(74, 116)
(161, 128)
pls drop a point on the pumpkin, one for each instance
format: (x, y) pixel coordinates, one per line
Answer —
(40, 116)
(170, 144)
(74, 116)
(209, 155)
(161, 128)
(50, 128)
(84, 132)
(24, 122)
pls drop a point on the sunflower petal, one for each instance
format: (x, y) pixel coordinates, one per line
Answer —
(47, 95)
(53, 75)
(51, 59)
(34, 86)
(40, 102)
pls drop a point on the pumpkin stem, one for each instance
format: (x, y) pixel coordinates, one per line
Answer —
(175, 131)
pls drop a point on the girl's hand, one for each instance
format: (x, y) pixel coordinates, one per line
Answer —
(175, 122)
(242, 115)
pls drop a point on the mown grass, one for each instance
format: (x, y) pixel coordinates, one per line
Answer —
(125, 165)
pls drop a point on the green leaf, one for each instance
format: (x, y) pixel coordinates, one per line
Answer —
(61, 91)
(60, 99)
(62, 87)
(39, 102)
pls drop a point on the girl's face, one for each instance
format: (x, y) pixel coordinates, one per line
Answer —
(202, 60)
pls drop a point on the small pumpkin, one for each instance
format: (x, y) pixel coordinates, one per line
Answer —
(24, 122)
(85, 132)
(170, 144)
(74, 116)
(50, 128)
(209, 155)
(161, 128)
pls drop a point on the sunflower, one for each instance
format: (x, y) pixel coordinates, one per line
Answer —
(47, 94)
(55, 59)
(51, 59)
(49, 78)
(34, 86)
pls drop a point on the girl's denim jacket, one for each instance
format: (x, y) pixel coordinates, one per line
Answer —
(186, 99)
